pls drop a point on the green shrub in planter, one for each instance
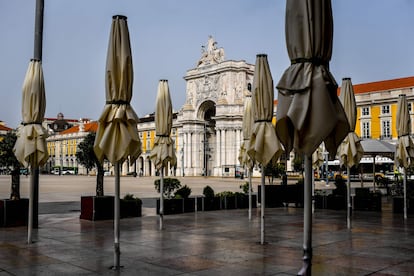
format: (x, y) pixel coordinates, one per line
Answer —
(183, 192)
(225, 194)
(208, 191)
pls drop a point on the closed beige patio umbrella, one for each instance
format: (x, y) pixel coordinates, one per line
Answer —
(309, 111)
(350, 151)
(30, 148)
(405, 147)
(244, 158)
(163, 151)
(264, 144)
(117, 135)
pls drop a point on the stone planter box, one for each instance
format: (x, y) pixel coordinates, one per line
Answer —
(243, 201)
(321, 201)
(279, 195)
(102, 208)
(131, 208)
(211, 203)
(228, 202)
(336, 202)
(14, 212)
(364, 200)
(180, 205)
(186, 205)
(398, 205)
(171, 206)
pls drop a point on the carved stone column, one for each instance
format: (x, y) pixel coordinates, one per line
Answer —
(223, 147)
(186, 151)
(218, 148)
(198, 150)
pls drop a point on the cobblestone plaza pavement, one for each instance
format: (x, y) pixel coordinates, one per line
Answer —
(212, 243)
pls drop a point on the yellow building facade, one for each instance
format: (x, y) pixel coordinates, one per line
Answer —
(377, 107)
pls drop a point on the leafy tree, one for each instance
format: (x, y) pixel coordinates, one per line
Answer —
(171, 185)
(298, 163)
(8, 160)
(273, 170)
(86, 156)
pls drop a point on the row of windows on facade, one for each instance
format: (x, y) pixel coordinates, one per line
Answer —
(385, 109)
(386, 132)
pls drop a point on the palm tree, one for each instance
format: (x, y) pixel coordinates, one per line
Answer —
(86, 156)
(8, 160)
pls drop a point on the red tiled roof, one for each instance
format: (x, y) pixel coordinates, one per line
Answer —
(89, 127)
(383, 85)
(4, 128)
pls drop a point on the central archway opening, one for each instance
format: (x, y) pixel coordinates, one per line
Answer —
(206, 114)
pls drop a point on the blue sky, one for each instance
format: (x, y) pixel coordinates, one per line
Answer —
(373, 40)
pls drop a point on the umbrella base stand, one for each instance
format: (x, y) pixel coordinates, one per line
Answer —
(307, 263)
(117, 258)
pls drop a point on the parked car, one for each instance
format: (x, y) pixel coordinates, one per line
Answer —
(24, 171)
(134, 174)
(55, 171)
(68, 172)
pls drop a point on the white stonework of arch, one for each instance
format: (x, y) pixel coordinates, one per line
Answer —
(210, 122)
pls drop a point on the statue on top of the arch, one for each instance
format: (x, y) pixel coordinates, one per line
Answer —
(210, 54)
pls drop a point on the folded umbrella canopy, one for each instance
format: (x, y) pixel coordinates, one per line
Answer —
(405, 147)
(247, 125)
(264, 145)
(117, 135)
(163, 150)
(244, 158)
(30, 148)
(309, 111)
(350, 151)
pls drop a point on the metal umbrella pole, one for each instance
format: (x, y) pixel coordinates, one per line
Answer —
(250, 193)
(117, 249)
(262, 209)
(37, 54)
(33, 182)
(348, 197)
(405, 192)
(161, 211)
(307, 219)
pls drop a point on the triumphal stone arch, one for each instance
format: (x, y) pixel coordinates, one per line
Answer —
(210, 122)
